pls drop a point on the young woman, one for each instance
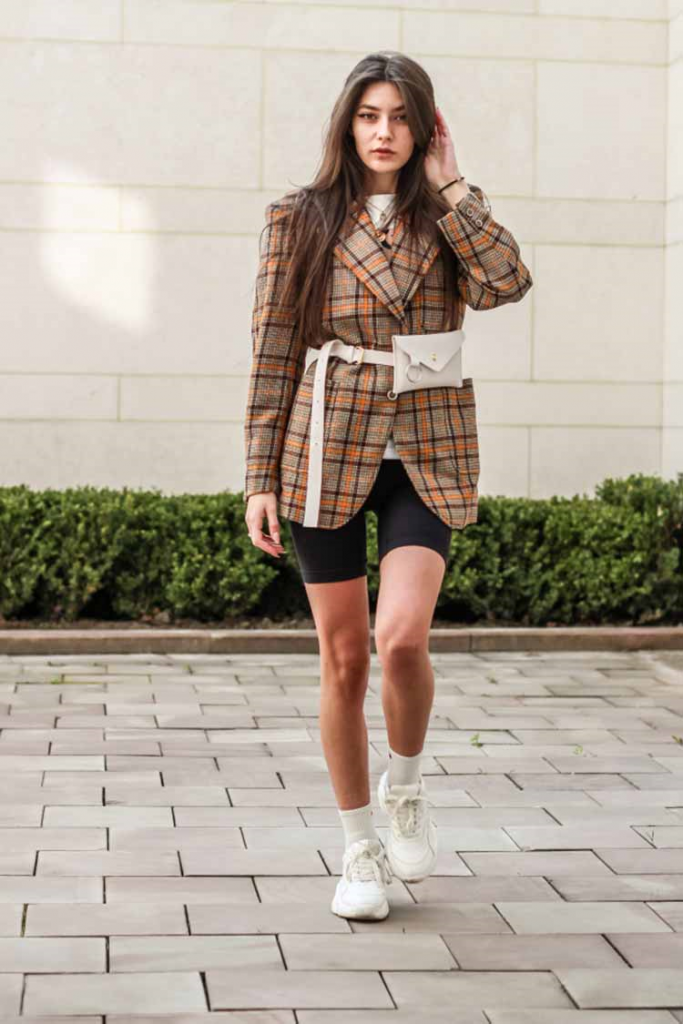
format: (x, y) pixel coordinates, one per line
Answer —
(389, 240)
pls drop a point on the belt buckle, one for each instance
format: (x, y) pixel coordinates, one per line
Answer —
(359, 358)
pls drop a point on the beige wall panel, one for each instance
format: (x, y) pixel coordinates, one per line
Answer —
(544, 404)
(183, 398)
(572, 460)
(57, 396)
(642, 10)
(592, 142)
(549, 38)
(598, 313)
(95, 114)
(264, 26)
(175, 457)
(116, 303)
(78, 20)
(505, 455)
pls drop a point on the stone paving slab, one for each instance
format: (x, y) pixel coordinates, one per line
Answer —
(531, 952)
(170, 844)
(659, 951)
(556, 863)
(433, 1016)
(441, 918)
(630, 816)
(264, 989)
(620, 887)
(663, 836)
(581, 1017)
(483, 990)
(366, 952)
(575, 837)
(273, 861)
(30, 889)
(46, 955)
(107, 862)
(483, 890)
(161, 992)
(106, 919)
(15, 840)
(630, 987)
(308, 917)
(671, 912)
(217, 1017)
(192, 952)
(48, 1019)
(580, 918)
(10, 919)
(182, 890)
(10, 993)
(20, 862)
(646, 781)
(642, 861)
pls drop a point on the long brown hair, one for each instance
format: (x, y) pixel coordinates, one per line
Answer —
(321, 211)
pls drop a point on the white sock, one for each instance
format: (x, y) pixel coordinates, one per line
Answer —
(358, 824)
(403, 771)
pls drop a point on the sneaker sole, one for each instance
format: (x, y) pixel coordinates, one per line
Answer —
(361, 913)
(411, 878)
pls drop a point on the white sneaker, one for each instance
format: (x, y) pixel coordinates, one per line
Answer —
(411, 843)
(360, 890)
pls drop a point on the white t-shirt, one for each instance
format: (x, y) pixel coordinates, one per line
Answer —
(380, 201)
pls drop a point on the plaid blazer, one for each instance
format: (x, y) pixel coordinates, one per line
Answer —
(373, 293)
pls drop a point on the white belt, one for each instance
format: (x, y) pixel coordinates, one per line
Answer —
(350, 354)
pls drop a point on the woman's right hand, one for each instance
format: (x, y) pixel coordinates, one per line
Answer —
(258, 505)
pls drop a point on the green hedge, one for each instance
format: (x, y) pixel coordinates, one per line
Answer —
(140, 555)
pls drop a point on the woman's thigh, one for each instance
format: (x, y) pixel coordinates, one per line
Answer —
(341, 614)
(333, 565)
(404, 519)
(331, 556)
(413, 547)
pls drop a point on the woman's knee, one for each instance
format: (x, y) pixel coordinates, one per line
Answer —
(346, 666)
(397, 642)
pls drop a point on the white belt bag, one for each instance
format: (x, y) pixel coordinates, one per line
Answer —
(419, 361)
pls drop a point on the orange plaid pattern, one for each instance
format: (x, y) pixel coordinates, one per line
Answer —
(373, 293)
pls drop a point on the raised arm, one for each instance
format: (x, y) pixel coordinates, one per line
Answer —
(493, 270)
(277, 359)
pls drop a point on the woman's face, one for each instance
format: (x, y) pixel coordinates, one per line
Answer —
(379, 122)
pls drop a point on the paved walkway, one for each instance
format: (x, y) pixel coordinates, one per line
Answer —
(169, 845)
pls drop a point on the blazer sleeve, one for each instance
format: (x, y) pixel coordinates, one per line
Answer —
(487, 252)
(277, 359)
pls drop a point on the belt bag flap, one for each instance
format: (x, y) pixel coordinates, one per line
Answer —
(427, 360)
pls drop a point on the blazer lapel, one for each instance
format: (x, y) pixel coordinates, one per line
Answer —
(362, 253)
(392, 283)
(409, 264)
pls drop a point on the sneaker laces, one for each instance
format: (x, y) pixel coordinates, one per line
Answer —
(368, 864)
(407, 813)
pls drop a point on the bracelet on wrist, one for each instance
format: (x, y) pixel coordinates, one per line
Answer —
(461, 178)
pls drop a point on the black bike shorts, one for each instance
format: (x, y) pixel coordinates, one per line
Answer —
(330, 555)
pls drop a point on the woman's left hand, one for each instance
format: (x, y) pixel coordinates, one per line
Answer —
(440, 164)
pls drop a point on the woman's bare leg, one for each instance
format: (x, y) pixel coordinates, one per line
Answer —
(342, 619)
(410, 581)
